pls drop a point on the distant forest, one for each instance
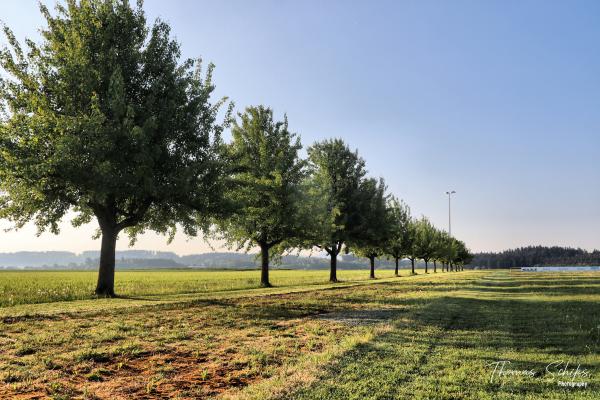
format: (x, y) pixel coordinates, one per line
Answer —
(132, 259)
(536, 255)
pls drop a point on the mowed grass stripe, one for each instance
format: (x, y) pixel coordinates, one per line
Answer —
(444, 347)
(198, 349)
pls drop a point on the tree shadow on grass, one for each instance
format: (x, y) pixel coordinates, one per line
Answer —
(549, 290)
(452, 338)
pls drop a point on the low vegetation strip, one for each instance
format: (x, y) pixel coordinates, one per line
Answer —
(430, 336)
(27, 287)
(93, 305)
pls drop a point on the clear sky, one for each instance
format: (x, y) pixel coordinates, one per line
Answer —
(498, 100)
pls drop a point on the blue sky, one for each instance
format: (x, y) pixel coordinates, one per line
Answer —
(498, 100)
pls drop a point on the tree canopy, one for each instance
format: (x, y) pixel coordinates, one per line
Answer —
(398, 244)
(375, 227)
(336, 175)
(102, 118)
(265, 185)
(425, 241)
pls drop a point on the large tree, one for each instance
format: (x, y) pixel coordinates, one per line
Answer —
(333, 189)
(375, 228)
(103, 119)
(398, 245)
(265, 186)
(425, 241)
(441, 249)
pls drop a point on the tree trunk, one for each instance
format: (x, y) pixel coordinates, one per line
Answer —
(434, 266)
(451, 267)
(396, 272)
(333, 266)
(106, 271)
(372, 260)
(412, 263)
(264, 267)
(426, 264)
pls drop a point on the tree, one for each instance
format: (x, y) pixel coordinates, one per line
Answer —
(333, 190)
(397, 246)
(453, 248)
(103, 119)
(375, 228)
(463, 255)
(425, 242)
(440, 248)
(265, 187)
(412, 243)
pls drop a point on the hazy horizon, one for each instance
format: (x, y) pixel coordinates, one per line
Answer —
(498, 101)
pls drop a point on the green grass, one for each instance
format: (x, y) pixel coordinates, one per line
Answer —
(445, 347)
(28, 287)
(416, 337)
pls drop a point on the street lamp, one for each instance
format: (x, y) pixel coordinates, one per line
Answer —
(449, 193)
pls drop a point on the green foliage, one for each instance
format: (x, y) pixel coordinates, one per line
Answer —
(103, 119)
(425, 239)
(537, 255)
(450, 250)
(399, 243)
(412, 239)
(333, 194)
(265, 184)
(375, 227)
(442, 241)
(462, 255)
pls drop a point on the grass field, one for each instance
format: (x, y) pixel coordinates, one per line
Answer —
(435, 336)
(27, 287)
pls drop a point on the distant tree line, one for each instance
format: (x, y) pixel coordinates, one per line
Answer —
(536, 255)
(103, 118)
(127, 259)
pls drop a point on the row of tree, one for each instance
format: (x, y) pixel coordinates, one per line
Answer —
(282, 202)
(103, 119)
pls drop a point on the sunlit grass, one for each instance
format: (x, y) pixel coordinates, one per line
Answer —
(26, 287)
(415, 337)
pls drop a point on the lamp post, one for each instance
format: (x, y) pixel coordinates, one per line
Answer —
(449, 193)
